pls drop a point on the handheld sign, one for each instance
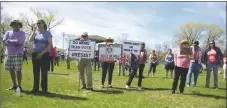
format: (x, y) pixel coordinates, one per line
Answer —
(131, 47)
(81, 49)
(110, 52)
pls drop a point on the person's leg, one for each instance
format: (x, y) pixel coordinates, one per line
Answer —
(131, 76)
(49, 64)
(123, 69)
(104, 72)
(154, 69)
(95, 65)
(150, 68)
(36, 71)
(18, 68)
(189, 75)
(13, 78)
(80, 68)
(167, 70)
(140, 78)
(176, 78)
(110, 73)
(183, 73)
(196, 73)
(44, 70)
(208, 68)
(98, 64)
(119, 69)
(89, 74)
(215, 73)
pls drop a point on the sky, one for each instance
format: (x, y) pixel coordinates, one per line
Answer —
(150, 22)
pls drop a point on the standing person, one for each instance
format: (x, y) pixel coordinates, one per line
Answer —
(42, 42)
(153, 63)
(224, 67)
(56, 61)
(96, 60)
(212, 58)
(121, 65)
(52, 57)
(107, 66)
(182, 62)
(85, 64)
(195, 64)
(169, 65)
(14, 42)
(25, 57)
(137, 61)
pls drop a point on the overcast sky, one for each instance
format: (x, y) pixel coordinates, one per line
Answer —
(151, 22)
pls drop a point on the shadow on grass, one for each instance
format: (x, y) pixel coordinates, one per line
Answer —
(207, 95)
(57, 73)
(54, 95)
(143, 89)
(109, 91)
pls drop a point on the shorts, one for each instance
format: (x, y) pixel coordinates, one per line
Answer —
(14, 62)
(169, 66)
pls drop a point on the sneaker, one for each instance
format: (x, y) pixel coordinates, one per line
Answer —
(12, 88)
(102, 86)
(181, 93)
(83, 87)
(20, 88)
(215, 88)
(173, 92)
(140, 88)
(188, 85)
(127, 87)
(110, 86)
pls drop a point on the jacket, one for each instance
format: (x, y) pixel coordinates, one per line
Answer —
(219, 55)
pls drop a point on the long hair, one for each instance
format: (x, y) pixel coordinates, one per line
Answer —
(45, 25)
(214, 44)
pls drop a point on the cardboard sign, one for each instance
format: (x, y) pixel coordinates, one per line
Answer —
(110, 52)
(81, 49)
(131, 47)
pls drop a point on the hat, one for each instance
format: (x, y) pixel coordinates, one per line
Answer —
(109, 40)
(183, 42)
(196, 43)
(16, 22)
(142, 43)
(85, 34)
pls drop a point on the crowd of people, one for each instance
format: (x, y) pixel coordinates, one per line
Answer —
(44, 57)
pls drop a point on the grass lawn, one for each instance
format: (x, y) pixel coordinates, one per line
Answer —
(155, 94)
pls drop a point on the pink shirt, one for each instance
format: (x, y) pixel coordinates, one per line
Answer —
(196, 54)
(225, 60)
(181, 60)
(212, 56)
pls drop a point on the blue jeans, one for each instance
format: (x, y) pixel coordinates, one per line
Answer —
(210, 67)
(195, 69)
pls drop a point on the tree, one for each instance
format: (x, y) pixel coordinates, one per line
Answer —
(49, 16)
(120, 39)
(165, 46)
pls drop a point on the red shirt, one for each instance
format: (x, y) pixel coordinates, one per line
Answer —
(196, 54)
(212, 56)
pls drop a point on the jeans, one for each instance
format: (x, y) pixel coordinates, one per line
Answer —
(42, 64)
(214, 67)
(152, 65)
(179, 72)
(51, 65)
(121, 67)
(107, 67)
(195, 69)
(132, 74)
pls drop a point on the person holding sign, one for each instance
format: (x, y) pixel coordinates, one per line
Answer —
(137, 61)
(194, 64)
(42, 42)
(14, 42)
(85, 64)
(212, 58)
(182, 61)
(108, 65)
(153, 63)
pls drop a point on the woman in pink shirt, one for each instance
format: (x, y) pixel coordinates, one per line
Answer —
(182, 62)
(52, 54)
(212, 58)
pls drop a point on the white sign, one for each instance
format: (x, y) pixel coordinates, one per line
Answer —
(131, 47)
(81, 49)
(110, 52)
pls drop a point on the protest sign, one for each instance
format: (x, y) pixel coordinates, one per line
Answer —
(131, 47)
(81, 49)
(110, 52)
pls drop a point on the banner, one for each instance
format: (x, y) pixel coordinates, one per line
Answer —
(131, 46)
(81, 49)
(109, 52)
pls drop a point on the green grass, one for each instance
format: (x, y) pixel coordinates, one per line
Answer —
(65, 94)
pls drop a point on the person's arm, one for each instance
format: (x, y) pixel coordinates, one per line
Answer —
(205, 57)
(32, 36)
(173, 58)
(18, 41)
(5, 39)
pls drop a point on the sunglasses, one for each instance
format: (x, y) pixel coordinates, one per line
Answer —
(38, 23)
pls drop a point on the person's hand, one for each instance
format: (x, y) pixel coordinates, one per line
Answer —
(39, 55)
(34, 26)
